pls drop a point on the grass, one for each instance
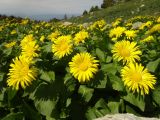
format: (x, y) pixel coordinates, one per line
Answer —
(124, 10)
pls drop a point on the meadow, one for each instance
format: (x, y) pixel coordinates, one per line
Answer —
(53, 71)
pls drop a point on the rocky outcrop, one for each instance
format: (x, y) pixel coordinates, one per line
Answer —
(67, 23)
(126, 116)
(136, 25)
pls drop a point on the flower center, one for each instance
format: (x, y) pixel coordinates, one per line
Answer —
(124, 53)
(136, 77)
(23, 72)
(83, 66)
(63, 47)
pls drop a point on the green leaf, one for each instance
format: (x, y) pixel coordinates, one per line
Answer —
(130, 109)
(30, 113)
(2, 95)
(152, 66)
(121, 106)
(11, 93)
(152, 53)
(113, 106)
(136, 100)
(155, 95)
(45, 107)
(50, 118)
(68, 102)
(47, 95)
(101, 104)
(1, 76)
(108, 59)
(100, 80)
(90, 114)
(14, 116)
(64, 114)
(47, 48)
(69, 82)
(86, 92)
(7, 51)
(116, 82)
(101, 108)
(81, 49)
(100, 54)
(48, 76)
(109, 68)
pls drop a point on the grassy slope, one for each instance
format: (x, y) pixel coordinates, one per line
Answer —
(125, 10)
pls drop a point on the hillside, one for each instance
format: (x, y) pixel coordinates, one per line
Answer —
(125, 10)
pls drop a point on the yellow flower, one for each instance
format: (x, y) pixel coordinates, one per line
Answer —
(13, 32)
(53, 36)
(1, 28)
(155, 28)
(148, 39)
(62, 46)
(98, 25)
(116, 32)
(24, 21)
(9, 45)
(29, 50)
(21, 73)
(158, 20)
(26, 40)
(116, 22)
(130, 34)
(42, 38)
(48, 24)
(80, 37)
(101, 23)
(147, 24)
(128, 24)
(126, 51)
(83, 66)
(137, 78)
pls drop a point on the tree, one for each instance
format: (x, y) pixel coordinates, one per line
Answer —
(107, 3)
(65, 17)
(85, 12)
(94, 8)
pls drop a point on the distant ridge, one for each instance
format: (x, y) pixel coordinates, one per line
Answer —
(44, 17)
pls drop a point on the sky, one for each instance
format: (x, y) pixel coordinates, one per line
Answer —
(42, 9)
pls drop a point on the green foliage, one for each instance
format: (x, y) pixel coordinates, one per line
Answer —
(107, 3)
(30, 112)
(116, 82)
(100, 109)
(155, 95)
(100, 54)
(136, 100)
(45, 107)
(14, 116)
(56, 93)
(153, 65)
(48, 76)
(86, 93)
